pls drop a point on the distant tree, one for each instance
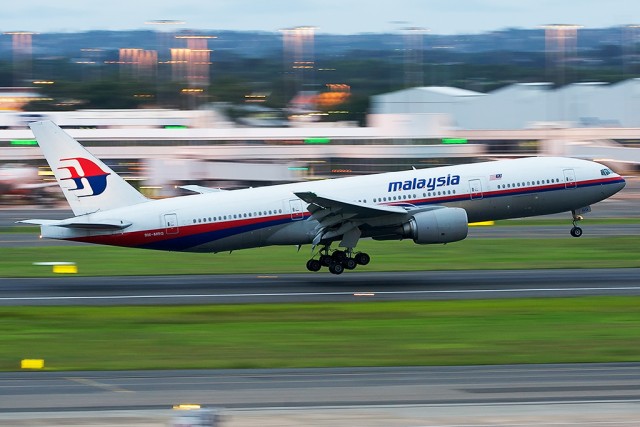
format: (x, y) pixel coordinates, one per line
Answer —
(357, 108)
(6, 74)
(229, 89)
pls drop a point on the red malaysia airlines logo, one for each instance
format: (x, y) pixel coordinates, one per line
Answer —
(90, 173)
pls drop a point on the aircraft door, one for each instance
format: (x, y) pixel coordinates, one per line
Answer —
(475, 189)
(297, 210)
(171, 223)
(569, 178)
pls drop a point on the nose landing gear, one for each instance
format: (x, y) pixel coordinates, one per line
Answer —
(576, 231)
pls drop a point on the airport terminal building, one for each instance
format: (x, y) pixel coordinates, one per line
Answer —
(415, 127)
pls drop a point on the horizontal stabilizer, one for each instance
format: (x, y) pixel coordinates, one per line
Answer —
(38, 221)
(79, 224)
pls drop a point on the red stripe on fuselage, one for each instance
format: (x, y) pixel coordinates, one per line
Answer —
(148, 237)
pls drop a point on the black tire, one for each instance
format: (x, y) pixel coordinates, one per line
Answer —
(325, 260)
(576, 231)
(362, 258)
(349, 263)
(336, 268)
(313, 265)
(339, 256)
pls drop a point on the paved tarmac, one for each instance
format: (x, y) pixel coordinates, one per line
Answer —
(377, 286)
(571, 394)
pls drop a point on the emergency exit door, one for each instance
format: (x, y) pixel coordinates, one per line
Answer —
(569, 178)
(171, 223)
(475, 189)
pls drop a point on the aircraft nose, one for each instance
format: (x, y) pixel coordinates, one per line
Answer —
(618, 185)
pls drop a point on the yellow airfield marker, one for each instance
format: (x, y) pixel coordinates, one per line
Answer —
(61, 267)
(482, 223)
(32, 363)
(65, 269)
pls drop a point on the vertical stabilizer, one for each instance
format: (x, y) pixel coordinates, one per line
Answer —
(88, 184)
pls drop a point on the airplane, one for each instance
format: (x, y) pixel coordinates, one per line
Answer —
(429, 206)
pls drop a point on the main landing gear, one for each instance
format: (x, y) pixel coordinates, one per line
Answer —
(576, 231)
(338, 261)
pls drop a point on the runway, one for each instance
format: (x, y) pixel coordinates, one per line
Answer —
(308, 287)
(405, 390)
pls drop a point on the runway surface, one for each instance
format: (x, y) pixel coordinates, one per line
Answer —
(255, 388)
(378, 286)
(408, 390)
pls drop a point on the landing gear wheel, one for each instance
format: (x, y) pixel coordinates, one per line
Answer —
(325, 260)
(339, 256)
(576, 231)
(349, 263)
(336, 268)
(313, 265)
(362, 258)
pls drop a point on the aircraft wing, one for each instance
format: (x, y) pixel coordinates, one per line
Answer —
(342, 218)
(354, 209)
(200, 189)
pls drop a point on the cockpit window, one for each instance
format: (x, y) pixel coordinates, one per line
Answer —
(605, 172)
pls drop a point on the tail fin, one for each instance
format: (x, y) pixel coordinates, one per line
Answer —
(88, 184)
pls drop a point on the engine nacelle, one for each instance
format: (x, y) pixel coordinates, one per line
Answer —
(437, 226)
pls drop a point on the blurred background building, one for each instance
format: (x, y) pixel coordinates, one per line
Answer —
(166, 108)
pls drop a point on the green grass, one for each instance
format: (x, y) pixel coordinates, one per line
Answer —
(481, 253)
(590, 329)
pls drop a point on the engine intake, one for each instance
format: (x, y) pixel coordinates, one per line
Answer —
(437, 226)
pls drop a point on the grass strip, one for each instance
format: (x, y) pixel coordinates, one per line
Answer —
(485, 253)
(506, 331)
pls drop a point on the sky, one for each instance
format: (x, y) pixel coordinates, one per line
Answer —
(329, 16)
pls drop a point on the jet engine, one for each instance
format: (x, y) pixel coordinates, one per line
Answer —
(443, 225)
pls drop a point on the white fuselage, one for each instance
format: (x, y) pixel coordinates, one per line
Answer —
(229, 220)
